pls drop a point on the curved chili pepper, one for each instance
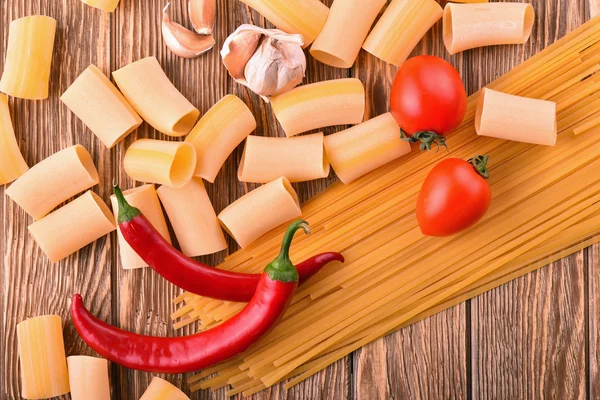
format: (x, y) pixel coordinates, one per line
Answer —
(184, 354)
(191, 275)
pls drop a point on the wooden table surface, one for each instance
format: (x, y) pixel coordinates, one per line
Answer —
(535, 338)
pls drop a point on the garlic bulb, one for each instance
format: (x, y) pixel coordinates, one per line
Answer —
(268, 61)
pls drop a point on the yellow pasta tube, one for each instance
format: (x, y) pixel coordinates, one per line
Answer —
(193, 218)
(88, 378)
(73, 226)
(12, 164)
(105, 5)
(305, 17)
(42, 357)
(159, 389)
(594, 8)
(261, 210)
(98, 103)
(148, 89)
(298, 159)
(54, 180)
(145, 199)
(159, 161)
(345, 30)
(218, 133)
(400, 28)
(467, 26)
(365, 147)
(318, 105)
(29, 57)
(521, 119)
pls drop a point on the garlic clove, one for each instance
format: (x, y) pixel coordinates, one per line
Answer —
(181, 41)
(202, 15)
(239, 48)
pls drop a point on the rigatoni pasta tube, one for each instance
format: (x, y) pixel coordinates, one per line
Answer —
(104, 5)
(29, 57)
(467, 26)
(159, 161)
(193, 218)
(345, 30)
(88, 378)
(218, 133)
(148, 89)
(261, 210)
(298, 159)
(98, 103)
(365, 147)
(42, 357)
(305, 17)
(54, 180)
(594, 8)
(73, 226)
(159, 389)
(400, 28)
(12, 164)
(521, 119)
(318, 105)
(145, 199)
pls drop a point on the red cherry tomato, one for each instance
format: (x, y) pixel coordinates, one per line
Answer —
(428, 99)
(454, 196)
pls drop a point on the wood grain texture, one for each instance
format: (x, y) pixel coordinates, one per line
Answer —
(537, 337)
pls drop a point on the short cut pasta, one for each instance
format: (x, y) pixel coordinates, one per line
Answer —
(73, 226)
(148, 89)
(318, 105)
(298, 159)
(98, 103)
(12, 164)
(159, 161)
(193, 218)
(218, 133)
(88, 378)
(467, 26)
(261, 210)
(521, 119)
(104, 5)
(159, 389)
(54, 180)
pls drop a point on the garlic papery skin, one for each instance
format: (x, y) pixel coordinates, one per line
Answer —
(268, 61)
(181, 41)
(202, 15)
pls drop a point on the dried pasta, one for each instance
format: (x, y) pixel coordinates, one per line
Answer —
(102, 108)
(12, 164)
(345, 30)
(73, 226)
(400, 28)
(88, 378)
(148, 89)
(42, 357)
(467, 26)
(159, 161)
(298, 159)
(159, 389)
(305, 17)
(218, 133)
(54, 180)
(365, 147)
(193, 218)
(29, 57)
(318, 105)
(594, 8)
(145, 199)
(104, 5)
(261, 210)
(510, 117)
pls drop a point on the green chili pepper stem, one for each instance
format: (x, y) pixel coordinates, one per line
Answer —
(126, 211)
(480, 164)
(281, 268)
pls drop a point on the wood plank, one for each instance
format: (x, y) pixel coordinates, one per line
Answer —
(593, 319)
(31, 285)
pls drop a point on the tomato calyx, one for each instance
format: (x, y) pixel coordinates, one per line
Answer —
(427, 138)
(479, 163)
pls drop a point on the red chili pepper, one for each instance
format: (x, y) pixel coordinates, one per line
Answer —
(184, 354)
(191, 275)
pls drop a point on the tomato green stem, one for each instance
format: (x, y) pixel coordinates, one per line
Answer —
(427, 138)
(480, 164)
